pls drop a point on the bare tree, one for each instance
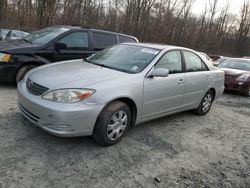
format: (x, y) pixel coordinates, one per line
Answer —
(216, 30)
(3, 6)
(244, 27)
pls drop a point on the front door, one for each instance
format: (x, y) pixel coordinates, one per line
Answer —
(77, 46)
(164, 94)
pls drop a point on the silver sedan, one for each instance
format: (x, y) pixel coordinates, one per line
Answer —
(124, 85)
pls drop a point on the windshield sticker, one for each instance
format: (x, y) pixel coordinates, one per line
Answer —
(135, 68)
(149, 51)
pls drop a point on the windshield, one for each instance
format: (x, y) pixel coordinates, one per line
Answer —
(236, 64)
(221, 59)
(125, 58)
(4, 31)
(45, 35)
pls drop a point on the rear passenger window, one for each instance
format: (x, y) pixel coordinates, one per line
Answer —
(9, 34)
(171, 61)
(15, 34)
(193, 62)
(103, 40)
(125, 39)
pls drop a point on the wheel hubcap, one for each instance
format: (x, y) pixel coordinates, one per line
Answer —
(117, 125)
(207, 101)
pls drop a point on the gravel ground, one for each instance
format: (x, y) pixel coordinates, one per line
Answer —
(182, 150)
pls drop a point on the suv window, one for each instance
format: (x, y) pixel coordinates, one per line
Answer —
(125, 39)
(76, 41)
(16, 34)
(103, 40)
(171, 61)
(9, 34)
(193, 62)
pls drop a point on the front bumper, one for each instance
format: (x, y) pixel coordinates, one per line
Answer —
(65, 120)
(7, 72)
(234, 85)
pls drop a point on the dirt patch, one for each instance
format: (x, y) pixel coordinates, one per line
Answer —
(182, 150)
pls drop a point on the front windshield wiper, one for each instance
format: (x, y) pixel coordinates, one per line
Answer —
(101, 65)
(105, 66)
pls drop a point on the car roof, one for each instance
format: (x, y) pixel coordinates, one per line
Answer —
(92, 29)
(7, 30)
(158, 46)
(245, 59)
(19, 31)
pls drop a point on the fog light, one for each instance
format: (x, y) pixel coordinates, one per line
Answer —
(59, 127)
(240, 83)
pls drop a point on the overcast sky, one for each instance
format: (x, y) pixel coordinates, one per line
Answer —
(199, 5)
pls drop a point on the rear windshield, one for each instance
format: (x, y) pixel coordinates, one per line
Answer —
(4, 31)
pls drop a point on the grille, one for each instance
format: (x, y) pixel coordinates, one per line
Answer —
(35, 88)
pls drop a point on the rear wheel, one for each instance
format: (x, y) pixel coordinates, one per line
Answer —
(205, 104)
(22, 71)
(112, 123)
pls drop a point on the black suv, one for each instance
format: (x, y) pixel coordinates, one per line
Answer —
(53, 44)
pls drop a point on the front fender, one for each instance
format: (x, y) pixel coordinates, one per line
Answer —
(20, 60)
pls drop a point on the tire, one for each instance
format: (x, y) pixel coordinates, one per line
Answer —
(22, 71)
(112, 124)
(247, 93)
(205, 104)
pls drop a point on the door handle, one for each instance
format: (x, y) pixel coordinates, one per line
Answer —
(208, 77)
(181, 81)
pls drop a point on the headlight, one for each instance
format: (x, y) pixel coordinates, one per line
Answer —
(4, 57)
(68, 95)
(243, 77)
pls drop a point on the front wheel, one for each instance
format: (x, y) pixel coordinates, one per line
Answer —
(22, 71)
(247, 93)
(205, 104)
(112, 123)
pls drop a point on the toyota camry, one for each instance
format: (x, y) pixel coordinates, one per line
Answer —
(121, 86)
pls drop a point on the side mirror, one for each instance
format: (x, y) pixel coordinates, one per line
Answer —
(159, 72)
(60, 46)
(216, 64)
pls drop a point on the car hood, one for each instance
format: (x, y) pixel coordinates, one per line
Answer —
(232, 72)
(73, 74)
(12, 46)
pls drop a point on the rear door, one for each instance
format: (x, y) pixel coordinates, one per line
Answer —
(198, 79)
(103, 40)
(77, 46)
(164, 94)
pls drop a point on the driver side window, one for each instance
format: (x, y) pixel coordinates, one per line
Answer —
(76, 41)
(171, 61)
